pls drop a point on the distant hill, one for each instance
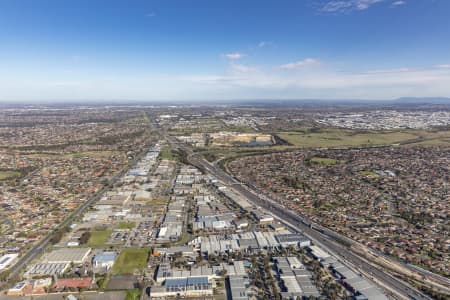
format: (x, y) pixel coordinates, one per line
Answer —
(245, 102)
(398, 101)
(422, 100)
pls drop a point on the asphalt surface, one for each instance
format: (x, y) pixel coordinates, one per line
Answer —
(401, 288)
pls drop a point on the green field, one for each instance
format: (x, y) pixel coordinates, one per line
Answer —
(240, 129)
(369, 174)
(99, 237)
(130, 260)
(4, 175)
(133, 295)
(333, 137)
(126, 225)
(435, 141)
(167, 153)
(324, 161)
(344, 137)
(96, 154)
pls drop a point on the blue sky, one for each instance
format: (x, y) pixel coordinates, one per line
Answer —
(212, 50)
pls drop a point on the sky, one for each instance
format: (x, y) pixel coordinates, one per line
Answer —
(209, 50)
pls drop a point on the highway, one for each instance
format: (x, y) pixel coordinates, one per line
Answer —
(395, 286)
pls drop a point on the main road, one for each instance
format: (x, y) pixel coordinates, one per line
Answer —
(395, 286)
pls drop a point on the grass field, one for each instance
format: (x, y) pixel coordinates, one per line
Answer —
(167, 153)
(130, 260)
(241, 129)
(332, 137)
(324, 161)
(92, 154)
(4, 175)
(96, 154)
(99, 237)
(133, 295)
(369, 174)
(435, 142)
(344, 137)
(157, 201)
(126, 225)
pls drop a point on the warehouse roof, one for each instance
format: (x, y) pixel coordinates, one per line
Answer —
(68, 255)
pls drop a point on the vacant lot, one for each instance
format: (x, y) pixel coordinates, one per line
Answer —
(99, 237)
(241, 139)
(126, 225)
(130, 260)
(96, 154)
(168, 153)
(324, 161)
(9, 174)
(133, 295)
(344, 137)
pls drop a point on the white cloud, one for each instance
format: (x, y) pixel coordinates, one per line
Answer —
(365, 4)
(150, 15)
(326, 83)
(234, 56)
(300, 64)
(207, 78)
(387, 71)
(263, 44)
(408, 70)
(444, 66)
(398, 3)
(238, 81)
(336, 6)
(240, 68)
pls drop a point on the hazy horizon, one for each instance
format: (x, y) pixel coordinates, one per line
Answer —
(258, 102)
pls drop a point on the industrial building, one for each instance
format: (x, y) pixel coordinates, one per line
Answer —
(294, 279)
(7, 259)
(361, 287)
(183, 287)
(51, 269)
(248, 242)
(237, 287)
(104, 260)
(68, 255)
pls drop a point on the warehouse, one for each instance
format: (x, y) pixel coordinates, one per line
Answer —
(19, 289)
(294, 263)
(359, 285)
(237, 288)
(104, 260)
(183, 287)
(318, 253)
(68, 255)
(295, 281)
(7, 259)
(52, 269)
(293, 239)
